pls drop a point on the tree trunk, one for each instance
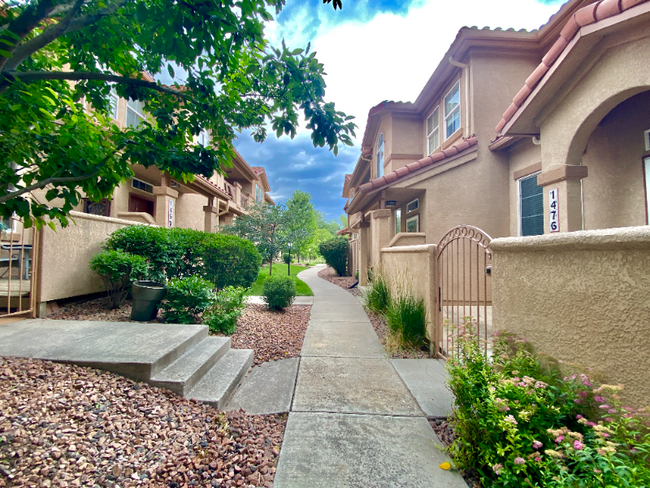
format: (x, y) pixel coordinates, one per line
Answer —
(271, 266)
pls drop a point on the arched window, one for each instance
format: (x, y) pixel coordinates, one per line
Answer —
(380, 156)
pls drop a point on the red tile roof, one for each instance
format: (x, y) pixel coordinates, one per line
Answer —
(417, 165)
(589, 14)
(257, 169)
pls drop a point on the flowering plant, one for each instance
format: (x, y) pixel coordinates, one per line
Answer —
(519, 422)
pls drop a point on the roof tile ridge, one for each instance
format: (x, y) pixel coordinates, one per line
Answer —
(589, 14)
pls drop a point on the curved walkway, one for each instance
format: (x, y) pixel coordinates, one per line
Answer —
(353, 421)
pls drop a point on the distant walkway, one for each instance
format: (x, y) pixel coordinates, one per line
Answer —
(353, 422)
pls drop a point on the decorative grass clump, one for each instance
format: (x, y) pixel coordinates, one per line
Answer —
(407, 319)
(377, 295)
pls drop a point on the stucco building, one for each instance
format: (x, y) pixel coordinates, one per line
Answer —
(576, 97)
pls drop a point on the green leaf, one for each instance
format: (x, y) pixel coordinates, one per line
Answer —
(170, 70)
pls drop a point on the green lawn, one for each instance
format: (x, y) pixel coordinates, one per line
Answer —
(302, 290)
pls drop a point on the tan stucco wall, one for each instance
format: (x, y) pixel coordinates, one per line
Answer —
(406, 142)
(380, 234)
(410, 269)
(67, 252)
(189, 211)
(581, 297)
(521, 156)
(614, 195)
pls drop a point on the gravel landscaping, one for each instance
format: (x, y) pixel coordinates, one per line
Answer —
(344, 282)
(273, 335)
(66, 426)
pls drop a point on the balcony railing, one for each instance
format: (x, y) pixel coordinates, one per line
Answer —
(244, 201)
(230, 190)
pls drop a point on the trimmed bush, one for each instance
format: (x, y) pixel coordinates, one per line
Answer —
(279, 292)
(227, 307)
(335, 252)
(377, 295)
(286, 257)
(171, 253)
(230, 261)
(186, 299)
(407, 316)
(118, 270)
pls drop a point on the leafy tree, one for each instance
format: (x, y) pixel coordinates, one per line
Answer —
(266, 227)
(301, 221)
(60, 59)
(343, 221)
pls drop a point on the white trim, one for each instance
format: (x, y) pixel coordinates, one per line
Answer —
(380, 149)
(113, 94)
(395, 214)
(646, 164)
(134, 110)
(428, 150)
(446, 116)
(416, 217)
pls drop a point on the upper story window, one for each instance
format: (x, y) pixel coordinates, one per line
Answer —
(204, 138)
(112, 103)
(451, 105)
(531, 206)
(380, 156)
(259, 194)
(134, 113)
(433, 130)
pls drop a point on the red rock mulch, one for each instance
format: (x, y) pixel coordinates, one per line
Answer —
(344, 282)
(66, 426)
(273, 335)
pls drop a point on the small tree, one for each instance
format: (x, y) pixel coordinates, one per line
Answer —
(266, 227)
(118, 270)
(301, 221)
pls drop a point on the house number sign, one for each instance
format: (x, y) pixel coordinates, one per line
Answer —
(553, 210)
(170, 213)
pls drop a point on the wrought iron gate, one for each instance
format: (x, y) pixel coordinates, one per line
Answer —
(19, 250)
(463, 263)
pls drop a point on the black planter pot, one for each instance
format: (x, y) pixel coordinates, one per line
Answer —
(146, 297)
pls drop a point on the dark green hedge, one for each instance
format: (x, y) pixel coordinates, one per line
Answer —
(335, 252)
(230, 261)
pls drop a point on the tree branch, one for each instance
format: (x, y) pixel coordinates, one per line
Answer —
(44, 183)
(32, 76)
(50, 33)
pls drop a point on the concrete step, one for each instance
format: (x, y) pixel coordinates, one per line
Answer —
(219, 384)
(181, 376)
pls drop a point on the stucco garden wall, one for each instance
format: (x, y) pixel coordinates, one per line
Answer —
(66, 253)
(582, 298)
(411, 269)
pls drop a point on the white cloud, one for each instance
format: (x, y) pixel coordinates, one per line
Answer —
(391, 57)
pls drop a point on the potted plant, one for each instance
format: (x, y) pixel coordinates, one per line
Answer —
(147, 295)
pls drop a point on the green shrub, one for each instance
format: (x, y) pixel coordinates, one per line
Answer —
(335, 252)
(118, 270)
(407, 318)
(377, 295)
(286, 257)
(516, 418)
(171, 253)
(227, 307)
(279, 292)
(186, 299)
(230, 261)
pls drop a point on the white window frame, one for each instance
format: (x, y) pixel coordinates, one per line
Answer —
(417, 205)
(113, 94)
(457, 109)
(380, 155)
(206, 138)
(519, 210)
(435, 131)
(415, 218)
(140, 115)
(398, 220)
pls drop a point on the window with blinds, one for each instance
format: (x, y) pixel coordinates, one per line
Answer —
(531, 207)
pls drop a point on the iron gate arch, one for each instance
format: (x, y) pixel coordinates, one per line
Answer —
(463, 262)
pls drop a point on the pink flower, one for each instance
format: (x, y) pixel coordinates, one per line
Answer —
(579, 416)
(497, 468)
(605, 407)
(520, 460)
(559, 439)
(537, 444)
(612, 410)
(599, 399)
(578, 445)
(609, 419)
(591, 424)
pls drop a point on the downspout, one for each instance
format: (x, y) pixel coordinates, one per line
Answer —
(465, 68)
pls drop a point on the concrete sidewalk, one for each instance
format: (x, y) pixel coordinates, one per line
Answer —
(354, 422)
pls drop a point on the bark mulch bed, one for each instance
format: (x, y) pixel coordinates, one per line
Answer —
(67, 426)
(273, 335)
(344, 282)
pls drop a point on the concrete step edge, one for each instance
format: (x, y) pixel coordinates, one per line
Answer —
(164, 361)
(219, 384)
(181, 376)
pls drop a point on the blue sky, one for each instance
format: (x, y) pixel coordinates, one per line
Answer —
(373, 50)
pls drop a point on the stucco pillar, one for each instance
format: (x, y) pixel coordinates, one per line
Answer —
(381, 234)
(165, 206)
(568, 182)
(211, 221)
(363, 256)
